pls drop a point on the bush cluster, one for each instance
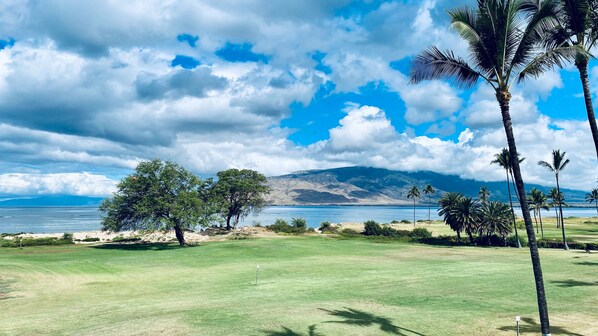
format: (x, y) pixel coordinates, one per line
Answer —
(67, 238)
(374, 229)
(281, 226)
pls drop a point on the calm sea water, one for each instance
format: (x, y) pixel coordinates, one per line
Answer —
(72, 219)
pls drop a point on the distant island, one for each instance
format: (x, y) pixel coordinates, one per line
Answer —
(337, 186)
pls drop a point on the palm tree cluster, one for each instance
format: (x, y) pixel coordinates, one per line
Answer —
(593, 197)
(475, 217)
(510, 41)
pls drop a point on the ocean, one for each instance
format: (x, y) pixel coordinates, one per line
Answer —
(73, 219)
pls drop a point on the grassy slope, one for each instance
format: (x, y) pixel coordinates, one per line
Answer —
(338, 287)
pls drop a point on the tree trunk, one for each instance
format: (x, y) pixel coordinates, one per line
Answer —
(512, 210)
(179, 235)
(503, 99)
(458, 236)
(556, 214)
(228, 218)
(582, 66)
(597, 207)
(414, 212)
(558, 189)
(536, 220)
(430, 207)
(541, 227)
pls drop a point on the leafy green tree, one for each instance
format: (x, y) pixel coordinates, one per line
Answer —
(484, 194)
(578, 30)
(503, 38)
(503, 159)
(159, 195)
(538, 201)
(429, 190)
(447, 202)
(494, 219)
(593, 197)
(414, 194)
(240, 192)
(556, 165)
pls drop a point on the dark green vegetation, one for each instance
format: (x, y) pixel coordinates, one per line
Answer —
(331, 286)
(163, 195)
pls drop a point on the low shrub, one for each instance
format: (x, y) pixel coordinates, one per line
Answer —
(512, 241)
(443, 240)
(299, 223)
(90, 239)
(121, 239)
(591, 246)
(23, 242)
(350, 232)
(281, 226)
(68, 236)
(394, 221)
(325, 226)
(256, 224)
(404, 221)
(420, 233)
(372, 228)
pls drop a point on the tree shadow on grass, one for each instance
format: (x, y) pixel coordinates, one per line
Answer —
(363, 319)
(587, 263)
(288, 332)
(140, 246)
(574, 283)
(351, 317)
(530, 326)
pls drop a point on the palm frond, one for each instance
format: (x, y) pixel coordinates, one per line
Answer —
(548, 60)
(546, 165)
(435, 64)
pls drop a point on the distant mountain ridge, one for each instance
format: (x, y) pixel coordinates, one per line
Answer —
(378, 186)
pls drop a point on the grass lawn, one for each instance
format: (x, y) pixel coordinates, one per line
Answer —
(307, 286)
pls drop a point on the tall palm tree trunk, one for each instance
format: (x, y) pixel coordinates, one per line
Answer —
(536, 220)
(558, 220)
(414, 212)
(558, 189)
(430, 206)
(503, 99)
(512, 210)
(582, 66)
(541, 227)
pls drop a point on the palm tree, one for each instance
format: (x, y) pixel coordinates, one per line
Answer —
(593, 197)
(467, 215)
(557, 198)
(414, 194)
(503, 159)
(484, 194)
(538, 201)
(495, 219)
(503, 36)
(578, 30)
(428, 190)
(446, 204)
(557, 164)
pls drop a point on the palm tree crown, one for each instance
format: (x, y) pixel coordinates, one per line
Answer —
(577, 29)
(557, 164)
(593, 197)
(502, 37)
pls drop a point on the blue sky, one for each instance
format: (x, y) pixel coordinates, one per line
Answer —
(87, 90)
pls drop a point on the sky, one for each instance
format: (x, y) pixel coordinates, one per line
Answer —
(90, 88)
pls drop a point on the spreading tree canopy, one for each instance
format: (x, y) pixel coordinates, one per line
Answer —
(240, 192)
(158, 195)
